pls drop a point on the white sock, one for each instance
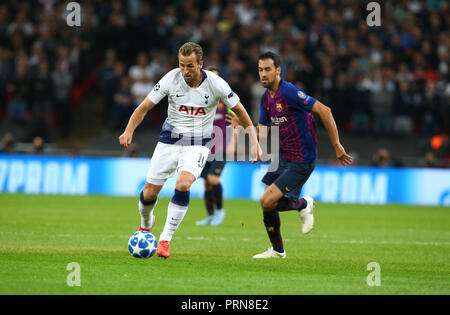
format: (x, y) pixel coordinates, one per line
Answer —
(175, 215)
(146, 215)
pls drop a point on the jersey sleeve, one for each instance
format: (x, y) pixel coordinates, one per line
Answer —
(298, 99)
(263, 114)
(226, 94)
(161, 89)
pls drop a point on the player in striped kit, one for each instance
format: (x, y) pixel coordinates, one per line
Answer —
(288, 107)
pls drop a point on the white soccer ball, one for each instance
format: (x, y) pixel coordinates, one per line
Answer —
(142, 244)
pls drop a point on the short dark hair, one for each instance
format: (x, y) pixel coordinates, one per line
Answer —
(271, 55)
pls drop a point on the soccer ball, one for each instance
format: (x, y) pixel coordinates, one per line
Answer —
(142, 244)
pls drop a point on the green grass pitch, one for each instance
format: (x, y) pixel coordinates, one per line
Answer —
(41, 235)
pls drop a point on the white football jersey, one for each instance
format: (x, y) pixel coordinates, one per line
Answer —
(191, 110)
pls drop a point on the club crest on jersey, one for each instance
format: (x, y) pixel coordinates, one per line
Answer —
(279, 107)
(190, 110)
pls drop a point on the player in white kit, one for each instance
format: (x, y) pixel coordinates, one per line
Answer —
(193, 94)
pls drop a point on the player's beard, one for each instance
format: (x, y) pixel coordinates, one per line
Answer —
(191, 79)
(268, 84)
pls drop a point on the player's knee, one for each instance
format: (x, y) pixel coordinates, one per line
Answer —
(267, 203)
(213, 180)
(183, 185)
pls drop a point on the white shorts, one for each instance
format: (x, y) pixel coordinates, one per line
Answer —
(170, 158)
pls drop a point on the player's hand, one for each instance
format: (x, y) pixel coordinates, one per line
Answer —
(256, 153)
(344, 158)
(233, 120)
(125, 139)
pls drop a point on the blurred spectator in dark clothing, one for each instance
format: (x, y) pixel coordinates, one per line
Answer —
(327, 85)
(305, 73)
(80, 58)
(62, 86)
(360, 106)
(122, 104)
(37, 146)
(106, 71)
(340, 100)
(382, 158)
(145, 24)
(106, 74)
(6, 67)
(42, 100)
(42, 92)
(7, 144)
(430, 109)
(382, 103)
(403, 123)
(403, 73)
(112, 84)
(115, 31)
(20, 87)
(429, 160)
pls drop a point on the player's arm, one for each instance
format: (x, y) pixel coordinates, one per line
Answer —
(263, 132)
(247, 123)
(135, 119)
(328, 120)
(262, 128)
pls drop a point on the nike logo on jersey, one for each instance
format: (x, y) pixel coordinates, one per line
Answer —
(179, 95)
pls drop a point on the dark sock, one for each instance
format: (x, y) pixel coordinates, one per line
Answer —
(209, 201)
(218, 195)
(287, 204)
(145, 202)
(181, 198)
(272, 223)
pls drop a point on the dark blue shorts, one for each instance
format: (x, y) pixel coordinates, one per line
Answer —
(213, 168)
(290, 177)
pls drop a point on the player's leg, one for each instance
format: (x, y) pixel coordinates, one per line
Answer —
(208, 197)
(209, 204)
(176, 211)
(271, 216)
(147, 202)
(272, 221)
(162, 166)
(289, 184)
(191, 163)
(178, 205)
(213, 177)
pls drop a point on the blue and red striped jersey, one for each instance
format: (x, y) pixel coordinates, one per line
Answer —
(290, 110)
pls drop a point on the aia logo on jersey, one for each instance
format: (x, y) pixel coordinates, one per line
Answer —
(190, 110)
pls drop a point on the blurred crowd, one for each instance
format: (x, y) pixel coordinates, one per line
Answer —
(391, 79)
